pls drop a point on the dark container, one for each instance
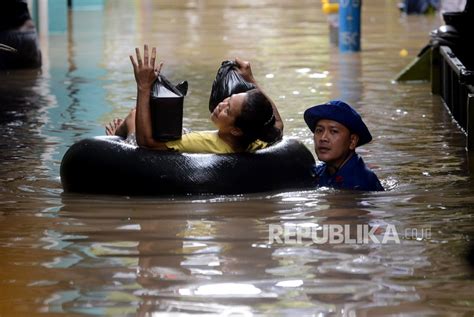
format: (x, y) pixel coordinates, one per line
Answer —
(166, 107)
(228, 81)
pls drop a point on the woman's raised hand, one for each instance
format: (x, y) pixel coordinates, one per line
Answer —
(245, 70)
(144, 70)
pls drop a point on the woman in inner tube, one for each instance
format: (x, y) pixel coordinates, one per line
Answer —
(245, 122)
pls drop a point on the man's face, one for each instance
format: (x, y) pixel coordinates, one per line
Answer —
(333, 142)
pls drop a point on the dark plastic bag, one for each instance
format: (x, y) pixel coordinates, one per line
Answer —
(166, 107)
(228, 82)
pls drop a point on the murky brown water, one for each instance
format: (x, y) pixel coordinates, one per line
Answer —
(66, 255)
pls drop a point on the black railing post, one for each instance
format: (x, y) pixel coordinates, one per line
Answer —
(470, 121)
(435, 70)
(454, 83)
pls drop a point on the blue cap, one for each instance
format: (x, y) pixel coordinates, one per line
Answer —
(341, 112)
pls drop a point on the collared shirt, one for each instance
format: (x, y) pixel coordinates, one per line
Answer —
(354, 174)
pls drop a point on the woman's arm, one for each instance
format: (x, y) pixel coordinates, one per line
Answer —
(145, 76)
(246, 72)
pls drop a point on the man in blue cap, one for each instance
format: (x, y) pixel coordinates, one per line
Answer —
(338, 129)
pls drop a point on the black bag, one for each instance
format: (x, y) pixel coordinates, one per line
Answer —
(228, 82)
(166, 107)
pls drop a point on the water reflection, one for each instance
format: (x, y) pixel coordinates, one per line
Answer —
(100, 255)
(202, 254)
(346, 75)
(22, 116)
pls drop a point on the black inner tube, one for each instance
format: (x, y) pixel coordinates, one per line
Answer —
(107, 165)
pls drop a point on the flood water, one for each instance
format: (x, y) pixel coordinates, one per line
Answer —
(69, 254)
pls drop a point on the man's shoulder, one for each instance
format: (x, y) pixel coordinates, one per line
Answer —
(362, 167)
(362, 176)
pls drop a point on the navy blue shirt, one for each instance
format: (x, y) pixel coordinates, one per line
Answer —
(354, 174)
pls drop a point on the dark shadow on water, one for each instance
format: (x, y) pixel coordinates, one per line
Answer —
(22, 99)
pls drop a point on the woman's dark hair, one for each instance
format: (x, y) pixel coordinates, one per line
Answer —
(256, 119)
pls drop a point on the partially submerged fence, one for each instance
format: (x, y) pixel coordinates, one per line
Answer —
(454, 83)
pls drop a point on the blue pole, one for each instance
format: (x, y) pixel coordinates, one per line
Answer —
(349, 25)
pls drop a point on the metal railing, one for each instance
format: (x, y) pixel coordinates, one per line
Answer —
(454, 83)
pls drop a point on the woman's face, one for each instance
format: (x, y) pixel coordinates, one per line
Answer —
(227, 111)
